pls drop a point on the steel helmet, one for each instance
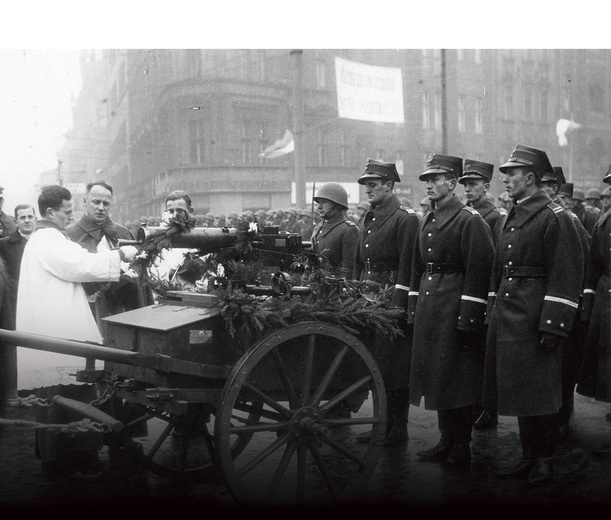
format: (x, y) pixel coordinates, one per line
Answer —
(579, 195)
(593, 193)
(334, 192)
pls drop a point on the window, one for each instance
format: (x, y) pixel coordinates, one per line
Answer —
(478, 55)
(246, 144)
(197, 142)
(259, 72)
(263, 142)
(437, 112)
(321, 74)
(460, 55)
(426, 110)
(194, 63)
(462, 116)
(479, 116)
(597, 102)
(344, 150)
(322, 146)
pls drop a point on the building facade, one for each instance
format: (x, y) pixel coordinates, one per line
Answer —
(151, 121)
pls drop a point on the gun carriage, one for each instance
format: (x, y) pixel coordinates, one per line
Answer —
(277, 416)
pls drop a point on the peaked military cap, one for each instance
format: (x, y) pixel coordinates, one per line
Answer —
(386, 171)
(556, 175)
(438, 163)
(476, 170)
(528, 156)
(607, 177)
(566, 189)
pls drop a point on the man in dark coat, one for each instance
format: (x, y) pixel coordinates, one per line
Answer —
(534, 294)
(551, 183)
(476, 177)
(586, 215)
(450, 277)
(595, 376)
(96, 231)
(335, 237)
(383, 258)
(11, 251)
(7, 223)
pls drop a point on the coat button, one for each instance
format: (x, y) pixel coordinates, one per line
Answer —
(506, 295)
(509, 279)
(561, 325)
(549, 322)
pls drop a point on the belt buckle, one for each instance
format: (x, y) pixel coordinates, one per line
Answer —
(429, 267)
(506, 271)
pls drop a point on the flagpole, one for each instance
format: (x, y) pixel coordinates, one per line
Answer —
(298, 133)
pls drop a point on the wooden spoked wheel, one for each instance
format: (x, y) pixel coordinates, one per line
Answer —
(312, 380)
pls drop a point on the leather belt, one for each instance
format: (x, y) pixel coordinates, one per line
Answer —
(432, 267)
(522, 272)
(380, 266)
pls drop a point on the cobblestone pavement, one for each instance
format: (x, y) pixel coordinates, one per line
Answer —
(400, 478)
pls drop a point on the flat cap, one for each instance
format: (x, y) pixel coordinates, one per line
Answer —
(386, 171)
(476, 170)
(438, 163)
(528, 156)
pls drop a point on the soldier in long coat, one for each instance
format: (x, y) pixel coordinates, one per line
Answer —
(553, 183)
(450, 276)
(335, 236)
(534, 295)
(476, 177)
(594, 379)
(383, 257)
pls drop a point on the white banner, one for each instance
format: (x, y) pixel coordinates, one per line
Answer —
(368, 92)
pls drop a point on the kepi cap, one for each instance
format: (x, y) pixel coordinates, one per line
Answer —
(438, 163)
(566, 189)
(476, 170)
(556, 175)
(385, 171)
(528, 156)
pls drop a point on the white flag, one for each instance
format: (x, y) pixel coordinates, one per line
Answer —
(563, 127)
(280, 147)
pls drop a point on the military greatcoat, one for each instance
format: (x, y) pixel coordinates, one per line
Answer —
(336, 239)
(492, 216)
(383, 255)
(450, 278)
(535, 287)
(594, 378)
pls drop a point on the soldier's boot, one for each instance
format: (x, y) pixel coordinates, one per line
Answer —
(542, 471)
(398, 410)
(487, 420)
(439, 453)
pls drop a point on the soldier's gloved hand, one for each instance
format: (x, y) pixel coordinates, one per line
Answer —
(128, 253)
(550, 342)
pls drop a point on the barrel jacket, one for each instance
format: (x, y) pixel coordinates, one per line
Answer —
(535, 287)
(450, 277)
(336, 240)
(594, 378)
(492, 216)
(385, 247)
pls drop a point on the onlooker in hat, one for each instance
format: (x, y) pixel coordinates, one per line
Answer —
(336, 236)
(278, 219)
(475, 178)
(586, 216)
(361, 210)
(551, 183)
(248, 215)
(292, 224)
(593, 200)
(534, 295)
(383, 257)
(208, 220)
(425, 206)
(595, 377)
(220, 220)
(505, 203)
(449, 286)
(307, 225)
(605, 200)
(261, 218)
(232, 219)
(7, 223)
